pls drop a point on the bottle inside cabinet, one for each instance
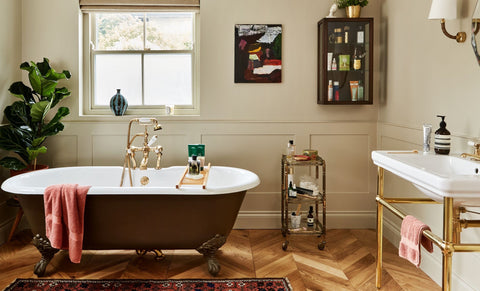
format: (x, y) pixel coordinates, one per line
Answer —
(345, 50)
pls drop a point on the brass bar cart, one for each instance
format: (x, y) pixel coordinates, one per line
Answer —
(319, 228)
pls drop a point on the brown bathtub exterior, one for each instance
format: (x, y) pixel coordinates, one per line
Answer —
(145, 222)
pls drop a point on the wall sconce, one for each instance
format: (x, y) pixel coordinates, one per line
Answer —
(446, 9)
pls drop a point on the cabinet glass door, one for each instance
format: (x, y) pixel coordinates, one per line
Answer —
(345, 61)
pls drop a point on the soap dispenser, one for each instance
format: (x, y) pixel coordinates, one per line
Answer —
(442, 138)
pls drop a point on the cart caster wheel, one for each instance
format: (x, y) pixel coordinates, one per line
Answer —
(321, 246)
(285, 245)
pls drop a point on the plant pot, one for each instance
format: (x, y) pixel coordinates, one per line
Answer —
(27, 169)
(353, 11)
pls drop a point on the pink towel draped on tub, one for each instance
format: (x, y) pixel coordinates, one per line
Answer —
(64, 211)
(411, 238)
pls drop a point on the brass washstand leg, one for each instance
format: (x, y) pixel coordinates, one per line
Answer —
(448, 238)
(457, 228)
(47, 251)
(380, 178)
(208, 250)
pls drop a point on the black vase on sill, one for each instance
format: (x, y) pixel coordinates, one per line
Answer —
(118, 104)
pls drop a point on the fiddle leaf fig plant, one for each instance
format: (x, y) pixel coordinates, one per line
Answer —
(29, 127)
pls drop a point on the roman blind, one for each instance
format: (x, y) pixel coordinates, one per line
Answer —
(138, 5)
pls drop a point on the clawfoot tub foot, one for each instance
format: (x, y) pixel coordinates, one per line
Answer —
(213, 266)
(159, 256)
(208, 249)
(47, 251)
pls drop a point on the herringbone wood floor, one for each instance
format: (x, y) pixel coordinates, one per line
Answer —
(347, 263)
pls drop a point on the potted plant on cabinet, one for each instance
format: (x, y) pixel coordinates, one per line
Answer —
(23, 138)
(352, 7)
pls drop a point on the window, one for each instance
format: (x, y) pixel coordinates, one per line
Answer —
(151, 56)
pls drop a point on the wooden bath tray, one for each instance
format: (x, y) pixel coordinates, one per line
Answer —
(201, 182)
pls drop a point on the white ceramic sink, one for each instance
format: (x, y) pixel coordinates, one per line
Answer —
(437, 176)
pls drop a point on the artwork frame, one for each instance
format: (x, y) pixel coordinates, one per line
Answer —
(258, 53)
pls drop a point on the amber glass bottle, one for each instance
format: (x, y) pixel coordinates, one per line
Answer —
(310, 218)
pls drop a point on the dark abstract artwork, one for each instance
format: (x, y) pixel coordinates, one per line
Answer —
(258, 53)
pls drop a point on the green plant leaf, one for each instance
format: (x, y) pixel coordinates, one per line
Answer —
(16, 140)
(40, 84)
(49, 73)
(38, 141)
(12, 163)
(60, 94)
(67, 74)
(52, 75)
(44, 67)
(48, 88)
(19, 90)
(34, 77)
(62, 112)
(25, 66)
(18, 114)
(53, 129)
(39, 111)
(34, 152)
(62, 91)
(55, 126)
(346, 3)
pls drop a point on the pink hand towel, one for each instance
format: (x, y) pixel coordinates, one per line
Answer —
(412, 236)
(64, 212)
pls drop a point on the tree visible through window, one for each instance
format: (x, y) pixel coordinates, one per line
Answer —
(149, 56)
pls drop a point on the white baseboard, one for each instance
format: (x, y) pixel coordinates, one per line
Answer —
(335, 220)
(431, 262)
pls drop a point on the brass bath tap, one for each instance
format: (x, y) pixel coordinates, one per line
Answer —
(476, 151)
(145, 149)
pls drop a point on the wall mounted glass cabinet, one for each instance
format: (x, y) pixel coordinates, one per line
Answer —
(345, 61)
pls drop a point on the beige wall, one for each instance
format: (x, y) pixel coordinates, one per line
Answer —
(242, 125)
(427, 74)
(10, 48)
(418, 73)
(10, 59)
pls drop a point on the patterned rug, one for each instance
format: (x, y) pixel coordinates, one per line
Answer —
(261, 284)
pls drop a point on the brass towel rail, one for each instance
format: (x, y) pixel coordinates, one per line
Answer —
(430, 235)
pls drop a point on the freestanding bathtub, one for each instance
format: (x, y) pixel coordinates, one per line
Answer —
(151, 217)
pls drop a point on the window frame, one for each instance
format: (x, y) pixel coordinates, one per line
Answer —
(87, 99)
